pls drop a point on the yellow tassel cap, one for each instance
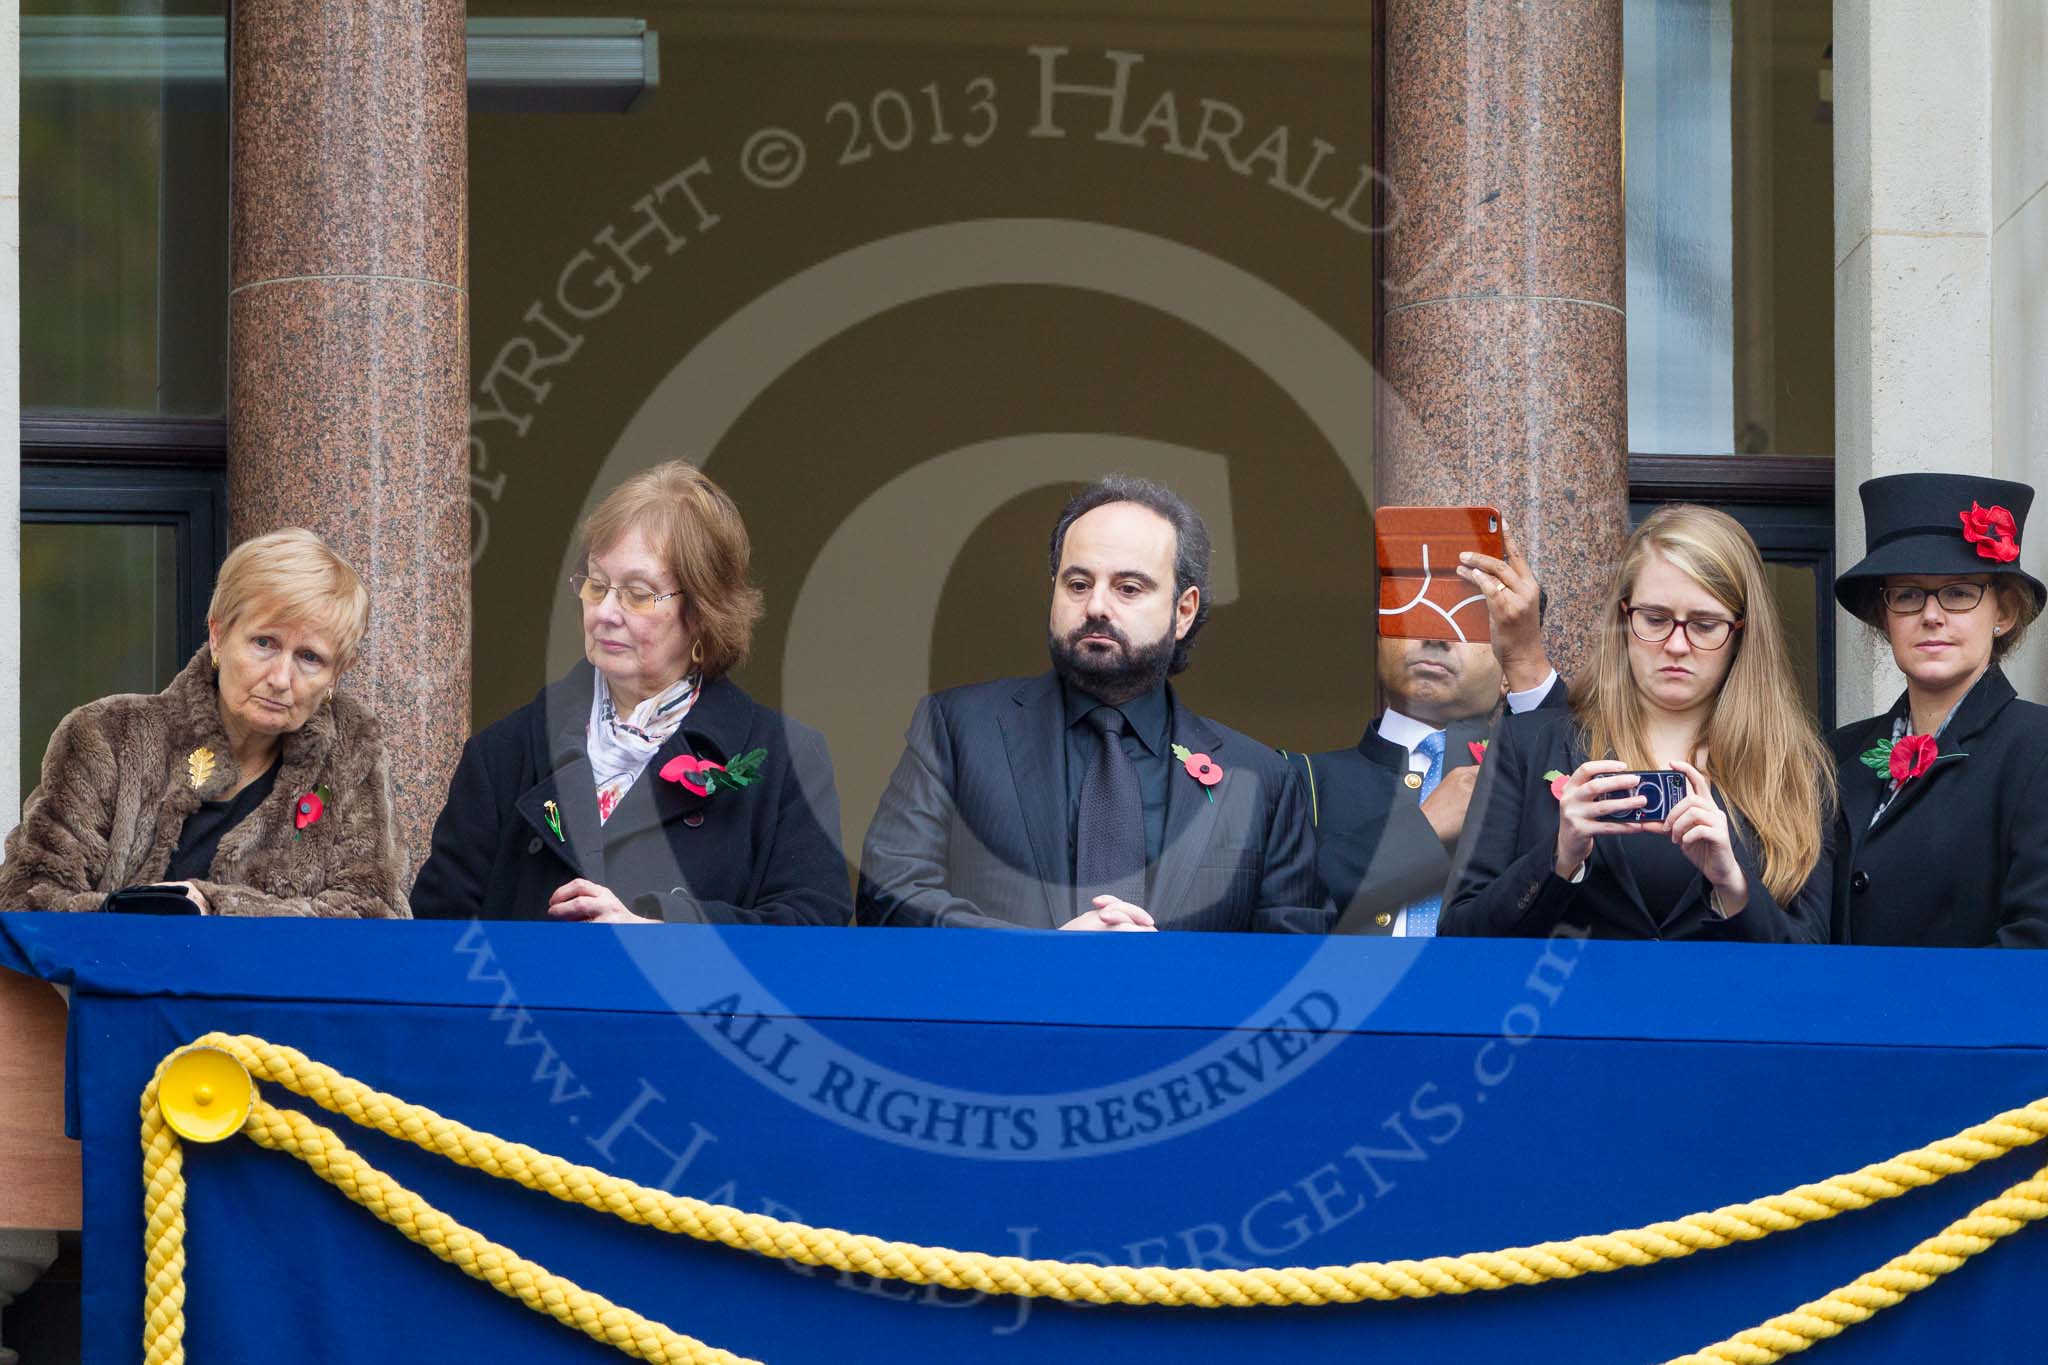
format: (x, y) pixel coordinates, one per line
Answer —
(205, 1094)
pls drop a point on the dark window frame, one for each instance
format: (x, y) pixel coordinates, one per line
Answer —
(136, 471)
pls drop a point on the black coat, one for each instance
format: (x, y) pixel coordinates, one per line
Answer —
(763, 854)
(1960, 857)
(1507, 885)
(973, 831)
(1375, 849)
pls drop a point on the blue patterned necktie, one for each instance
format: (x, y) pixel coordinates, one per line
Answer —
(1422, 914)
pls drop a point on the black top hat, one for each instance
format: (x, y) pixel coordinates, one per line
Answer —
(1939, 524)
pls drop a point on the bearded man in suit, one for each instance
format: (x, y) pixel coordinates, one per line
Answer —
(1089, 797)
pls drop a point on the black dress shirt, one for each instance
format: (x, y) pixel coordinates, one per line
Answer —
(204, 828)
(1147, 736)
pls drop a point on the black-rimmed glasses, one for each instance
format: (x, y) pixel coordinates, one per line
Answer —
(1654, 627)
(1910, 599)
(635, 599)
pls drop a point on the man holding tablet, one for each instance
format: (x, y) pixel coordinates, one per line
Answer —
(1389, 810)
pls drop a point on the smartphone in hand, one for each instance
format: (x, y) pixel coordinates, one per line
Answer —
(1661, 793)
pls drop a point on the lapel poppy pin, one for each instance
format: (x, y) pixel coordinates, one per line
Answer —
(702, 777)
(1901, 760)
(1477, 748)
(1556, 780)
(1993, 531)
(1201, 767)
(307, 810)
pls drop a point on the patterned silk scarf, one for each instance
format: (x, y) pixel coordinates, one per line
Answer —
(621, 749)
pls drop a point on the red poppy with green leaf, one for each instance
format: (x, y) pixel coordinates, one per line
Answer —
(703, 777)
(1901, 760)
(1201, 767)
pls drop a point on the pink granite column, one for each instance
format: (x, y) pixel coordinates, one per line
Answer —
(349, 338)
(1504, 346)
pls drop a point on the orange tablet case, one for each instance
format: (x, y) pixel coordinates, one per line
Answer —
(1421, 595)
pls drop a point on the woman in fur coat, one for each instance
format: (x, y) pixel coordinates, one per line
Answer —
(249, 785)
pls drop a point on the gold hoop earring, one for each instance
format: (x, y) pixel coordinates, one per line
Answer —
(697, 652)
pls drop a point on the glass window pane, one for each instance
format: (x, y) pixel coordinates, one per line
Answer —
(901, 276)
(1730, 182)
(98, 616)
(1797, 588)
(124, 207)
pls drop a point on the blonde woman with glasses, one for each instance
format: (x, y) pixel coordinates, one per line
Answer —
(1944, 835)
(646, 787)
(1690, 680)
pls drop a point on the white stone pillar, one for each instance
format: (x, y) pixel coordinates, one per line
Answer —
(2019, 284)
(1913, 269)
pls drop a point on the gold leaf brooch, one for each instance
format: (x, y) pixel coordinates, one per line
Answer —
(199, 763)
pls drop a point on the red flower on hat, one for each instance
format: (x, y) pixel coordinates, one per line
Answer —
(1912, 756)
(1993, 531)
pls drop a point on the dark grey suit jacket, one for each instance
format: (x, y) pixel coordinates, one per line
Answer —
(973, 831)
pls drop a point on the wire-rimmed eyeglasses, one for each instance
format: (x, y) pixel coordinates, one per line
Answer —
(635, 599)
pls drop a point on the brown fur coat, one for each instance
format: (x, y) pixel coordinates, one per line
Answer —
(117, 787)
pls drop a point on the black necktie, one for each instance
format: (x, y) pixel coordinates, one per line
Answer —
(1109, 854)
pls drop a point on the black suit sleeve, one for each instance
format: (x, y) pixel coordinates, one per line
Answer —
(1763, 920)
(1369, 864)
(451, 882)
(1506, 882)
(1291, 895)
(1409, 862)
(903, 860)
(805, 882)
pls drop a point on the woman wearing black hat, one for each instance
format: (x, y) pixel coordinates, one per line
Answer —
(1944, 797)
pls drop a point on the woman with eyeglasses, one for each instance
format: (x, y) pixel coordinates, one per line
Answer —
(1690, 679)
(646, 787)
(1944, 797)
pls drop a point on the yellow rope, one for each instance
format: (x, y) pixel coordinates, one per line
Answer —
(288, 1131)
(1887, 1286)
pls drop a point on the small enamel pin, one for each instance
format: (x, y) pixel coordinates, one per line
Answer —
(553, 815)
